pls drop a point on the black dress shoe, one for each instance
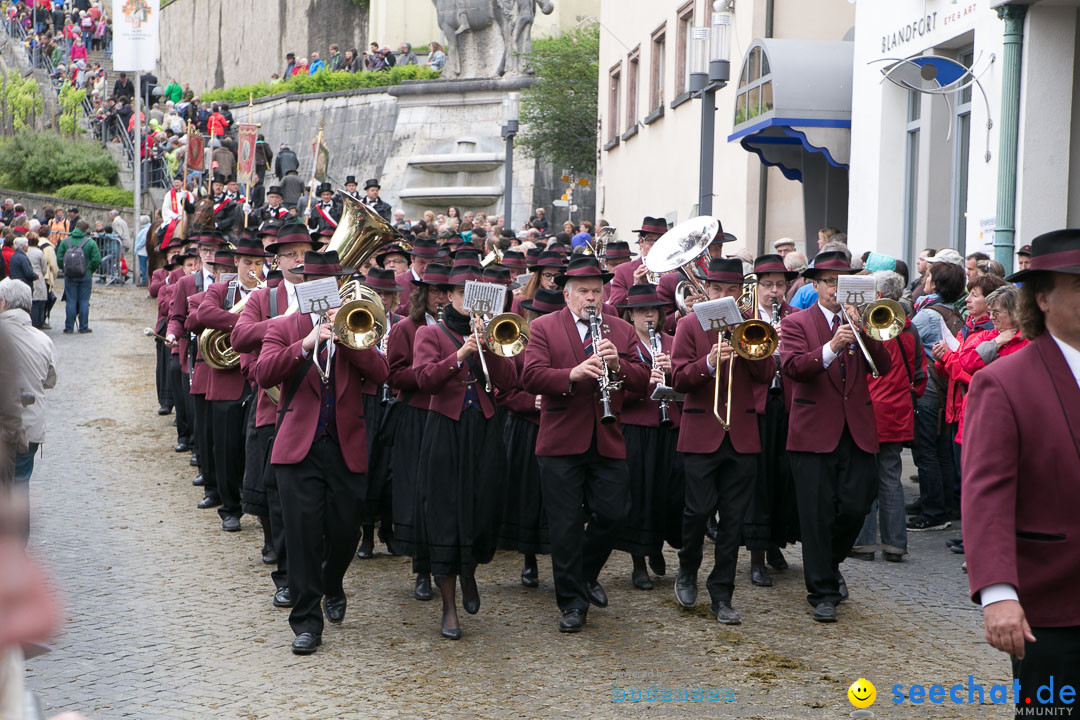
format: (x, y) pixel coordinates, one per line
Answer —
(335, 608)
(658, 564)
(825, 612)
(305, 643)
(712, 527)
(686, 588)
(269, 555)
(211, 500)
(366, 551)
(470, 595)
(194, 461)
(164, 411)
(760, 576)
(231, 524)
(530, 576)
(596, 594)
(842, 586)
(860, 555)
(726, 615)
(641, 579)
(283, 598)
(198, 481)
(954, 541)
(958, 548)
(572, 621)
(892, 557)
(422, 588)
(775, 558)
(182, 446)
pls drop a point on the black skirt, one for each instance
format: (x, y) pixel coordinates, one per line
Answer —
(404, 464)
(461, 479)
(378, 474)
(772, 520)
(256, 465)
(656, 491)
(524, 525)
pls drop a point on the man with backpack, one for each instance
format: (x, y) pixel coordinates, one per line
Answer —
(79, 258)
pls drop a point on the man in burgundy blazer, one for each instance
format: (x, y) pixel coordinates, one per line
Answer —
(719, 465)
(161, 375)
(582, 459)
(634, 272)
(1021, 480)
(179, 383)
(832, 436)
(320, 453)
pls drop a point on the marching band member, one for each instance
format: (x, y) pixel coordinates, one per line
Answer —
(179, 382)
(377, 399)
(635, 272)
(426, 303)
(394, 258)
(545, 270)
(158, 280)
(515, 262)
(524, 525)
(229, 392)
(656, 474)
(582, 458)
(320, 453)
(422, 253)
(174, 205)
(720, 464)
(772, 520)
(832, 434)
(325, 214)
(261, 491)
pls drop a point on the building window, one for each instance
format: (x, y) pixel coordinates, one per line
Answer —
(682, 50)
(962, 132)
(656, 79)
(755, 94)
(614, 96)
(911, 174)
(633, 62)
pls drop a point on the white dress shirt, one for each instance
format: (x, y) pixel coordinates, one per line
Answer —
(827, 353)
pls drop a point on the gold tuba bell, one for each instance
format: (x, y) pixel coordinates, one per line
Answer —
(216, 345)
(506, 335)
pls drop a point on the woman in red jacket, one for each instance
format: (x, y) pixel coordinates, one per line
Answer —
(894, 395)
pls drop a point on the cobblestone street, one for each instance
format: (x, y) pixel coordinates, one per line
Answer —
(169, 617)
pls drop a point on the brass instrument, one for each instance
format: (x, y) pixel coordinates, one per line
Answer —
(884, 320)
(680, 248)
(477, 321)
(216, 345)
(506, 335)
(657, 348)
(360, 322)
(607, 385)
(598, 247)
(493, 258)
(752, 339)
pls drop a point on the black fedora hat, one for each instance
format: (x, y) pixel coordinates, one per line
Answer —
(580, 267)
(546, 301)
(224, 258)
(460, 275)
(514, 259)
(642, 296)
(1057, 251)
(428, 249)
(388, 250)
(382, 280)
(834, 260)
(435, 273)
(500, 276)
(725, 270)
(173, 260)
(652, 225)
(290, 233)
(269, 227)
(322, 263)
(249, 246)
(773, 263)
(548, 260)
(372, 183)
(618, 250)
(208, 237)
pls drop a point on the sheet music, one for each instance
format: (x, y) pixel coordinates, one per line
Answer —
(484, 298)
(856, 289)
(318, 296)
(718, 314)
(947, 335)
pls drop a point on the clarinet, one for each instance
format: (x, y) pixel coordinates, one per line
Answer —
(657, 348)
(607, 385)
(439, 312)
(387, 396)
(776, 321)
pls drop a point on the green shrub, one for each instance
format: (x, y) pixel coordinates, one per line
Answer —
(323, 81)
(96, 194)
(41, 162)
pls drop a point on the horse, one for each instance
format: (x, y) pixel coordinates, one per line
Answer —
(456, 17)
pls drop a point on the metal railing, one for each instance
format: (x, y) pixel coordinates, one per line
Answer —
(112, 268)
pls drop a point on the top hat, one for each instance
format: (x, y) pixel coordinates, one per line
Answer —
(350, 179)
(548, 260)
(387, 250)
(324, 187)
(725, 270)
(773, 264)
(500, 276)
(1057, 251)
(379, 279)
(617, 250)
(546, 301)
(459, 275)
(219, 178)
(274, 190)
(322, 263)
(249, 246)
(830, 260)
(514, 259)
(654, 225)
(293, 232)
(583, 266)
(435, 273)
(373, 182)
(642, 296)
(427, 249)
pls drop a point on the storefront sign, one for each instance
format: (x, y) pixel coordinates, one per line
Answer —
(918, 28)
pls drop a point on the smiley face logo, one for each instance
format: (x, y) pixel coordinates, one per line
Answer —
(862, 693)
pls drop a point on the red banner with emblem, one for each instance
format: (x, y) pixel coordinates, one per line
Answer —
(196, 147)
(245, 153)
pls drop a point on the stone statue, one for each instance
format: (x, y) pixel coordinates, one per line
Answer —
(487, 38)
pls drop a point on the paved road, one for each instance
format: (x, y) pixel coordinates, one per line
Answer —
(168, 617)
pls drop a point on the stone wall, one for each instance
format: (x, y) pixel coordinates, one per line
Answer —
(91, 212)
(220, 43)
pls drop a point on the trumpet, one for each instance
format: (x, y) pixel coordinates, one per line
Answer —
(657, 348)
(751, 340)
(607, 385)
(884, 320)
(506, 335)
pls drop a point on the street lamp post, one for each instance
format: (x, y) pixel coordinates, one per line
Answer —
(511, 107)
(710, 69)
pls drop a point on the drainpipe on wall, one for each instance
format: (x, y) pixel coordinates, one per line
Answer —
(763, 171)
(1005, 223)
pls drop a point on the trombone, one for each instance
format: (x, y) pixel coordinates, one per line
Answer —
(478, 320)
(751, 340)
(884, 320)
(506, 335)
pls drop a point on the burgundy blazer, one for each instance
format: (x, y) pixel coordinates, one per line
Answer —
(400, 356)
(1021, 482)
(164, 297)
(178, 313)
(247, 338)
(281, 358)
(370, 387)
(570, 413)
(225, 385)
(638, 407)
(200, 374)
(822, 403)
(700, 431)
(404, 281)
(157, 281)
(621, 283)
(761, 392)
(437, 373)
(515, 399)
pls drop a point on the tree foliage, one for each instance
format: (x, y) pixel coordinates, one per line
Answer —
(323, 81)
(42, 162)
(558, 113)
(21, 101)
(71, 100)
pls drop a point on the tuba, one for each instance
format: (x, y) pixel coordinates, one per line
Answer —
(680, 248)
(216, 345)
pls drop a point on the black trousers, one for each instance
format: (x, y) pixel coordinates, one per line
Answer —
(322, 503)
(280, 574)
(578, 552)
(161, 376)
(834, 492)
(229, 420)
(204, 441)
(180, 387)
(722, 482)
(1054, 654)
